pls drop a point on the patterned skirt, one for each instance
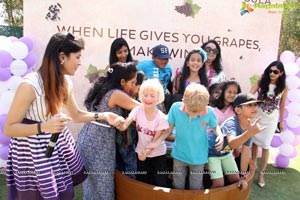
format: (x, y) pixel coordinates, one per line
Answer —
(31, 175)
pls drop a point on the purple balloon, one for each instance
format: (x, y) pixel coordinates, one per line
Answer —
(5, 58)
(28, 42)
(276, 141)
(4, 140)
(286, 112)
(282, 161)
(4, 74)
(296, 130)
(4, 152)
(295, 142)
(29, 60)
(2, 121)
(298, 75)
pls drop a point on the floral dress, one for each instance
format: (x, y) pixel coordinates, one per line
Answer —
(269, 111)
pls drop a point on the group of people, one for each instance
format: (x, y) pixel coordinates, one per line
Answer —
(128, 120)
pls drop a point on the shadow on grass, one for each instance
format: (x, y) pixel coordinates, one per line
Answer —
(281, 184)
(3, 189)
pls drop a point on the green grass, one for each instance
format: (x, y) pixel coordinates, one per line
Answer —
(281, 184)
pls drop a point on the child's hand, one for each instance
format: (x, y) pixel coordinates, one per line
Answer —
(153, 145)
(113, 119)
(142, 157)
(118, 123)
(254, 127)
(242, 184)
(236, 152)
(219, 143)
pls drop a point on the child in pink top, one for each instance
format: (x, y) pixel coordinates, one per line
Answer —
(150, 122)
(223, 103)
(222, 106)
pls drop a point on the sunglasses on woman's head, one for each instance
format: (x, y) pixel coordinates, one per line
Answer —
(274, 71)
(69, 36)
(209, 49)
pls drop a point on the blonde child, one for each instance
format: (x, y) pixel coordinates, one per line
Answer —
(150, 122)
(191, 118)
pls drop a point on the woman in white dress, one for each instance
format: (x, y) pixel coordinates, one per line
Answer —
(272, 91)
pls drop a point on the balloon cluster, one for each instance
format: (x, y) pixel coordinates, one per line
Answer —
(287, 140)
(16, 60)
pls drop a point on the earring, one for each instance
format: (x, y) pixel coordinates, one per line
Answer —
(110, 70)
(62, 62)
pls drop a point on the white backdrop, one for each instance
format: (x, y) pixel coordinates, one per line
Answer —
(249, 42)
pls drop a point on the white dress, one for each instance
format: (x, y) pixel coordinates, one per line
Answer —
(269, 111)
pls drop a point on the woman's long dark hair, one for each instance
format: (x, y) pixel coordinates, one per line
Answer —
(265, 81)
(116, 45)
(217, 62)
(55, 85)
(186, 73)
(219, 102)
(112, 80)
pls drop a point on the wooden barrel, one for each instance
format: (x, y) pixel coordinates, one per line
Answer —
(128, 189)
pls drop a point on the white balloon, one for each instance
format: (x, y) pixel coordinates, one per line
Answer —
(18, 50)
(287, 136)
(291, 68)
(18, 67)
(286, 149)
(7, 98)
(14, 82)
(293, 82)
(293, 121)
(3, 109)
(294, 95)
(293, 108)
(5, 43)
(3, 86)
(2, 163)
(287, 56)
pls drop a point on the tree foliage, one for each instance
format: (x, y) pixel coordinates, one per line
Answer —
(12, 12)
(290, 28)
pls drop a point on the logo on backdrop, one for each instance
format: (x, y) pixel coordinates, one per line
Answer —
(53, 12)
(246, 8)
(249, 6)
(189, 8)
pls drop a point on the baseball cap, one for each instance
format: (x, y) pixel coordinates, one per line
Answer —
(243, 99)
(161, 52)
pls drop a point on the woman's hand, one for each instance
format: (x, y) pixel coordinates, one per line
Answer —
(113, 119)
(55, 124)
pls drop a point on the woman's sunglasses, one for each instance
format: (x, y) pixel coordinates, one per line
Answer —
(209, 49)
(274, 71)
(69, 37)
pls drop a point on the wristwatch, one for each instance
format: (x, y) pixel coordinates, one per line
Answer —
(96, 116)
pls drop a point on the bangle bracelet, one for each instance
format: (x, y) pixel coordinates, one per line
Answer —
(243, 176)
(39, 128)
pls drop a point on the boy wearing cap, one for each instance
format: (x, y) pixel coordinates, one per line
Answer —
(158, 67)
(239, 130)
